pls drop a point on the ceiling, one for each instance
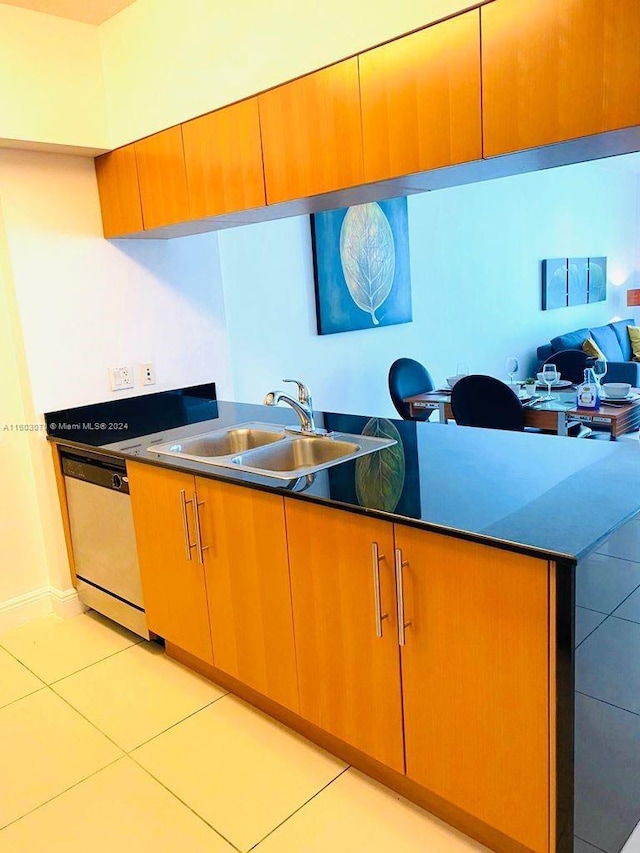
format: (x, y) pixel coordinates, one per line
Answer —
(88, 11)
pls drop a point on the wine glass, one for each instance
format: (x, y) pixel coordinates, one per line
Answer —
(549, 375)
(600, 368)
(511, 366)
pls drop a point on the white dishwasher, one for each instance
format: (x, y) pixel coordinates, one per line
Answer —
(103, 537)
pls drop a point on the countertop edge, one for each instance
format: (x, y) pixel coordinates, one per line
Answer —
(221, 475)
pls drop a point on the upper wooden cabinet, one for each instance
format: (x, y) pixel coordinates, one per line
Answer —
(247, 574)
(312, 134)
(223, 160)
(421, 100)
(117, 174)
(509, 76)
(162, 177)
(558, 69)
(476, 680)
(164, 504)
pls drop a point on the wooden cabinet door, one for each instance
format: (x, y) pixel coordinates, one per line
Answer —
(117, 175)
(558, 69)
(312, 133)
(223, 159)
(162, 177)
(247, 573)
(421, 100)
(172, 578)
(348, 678)
(475, 674)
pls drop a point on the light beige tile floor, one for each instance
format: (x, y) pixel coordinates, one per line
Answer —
(15, 679)
(214, 774)
(237, 768)
(165, 693)
(45, 747)
(356, 814)
(120, 808)
(52, 647)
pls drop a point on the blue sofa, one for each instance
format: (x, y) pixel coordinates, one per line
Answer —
(613, 340)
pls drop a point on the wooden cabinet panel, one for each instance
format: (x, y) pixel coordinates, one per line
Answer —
(475, 671)
(421, 100)
(247, 574)
(558, 69)
(312, 134)
(117, 174)
(223, 160)
(174, 586)
(162, 177)
(349, 679)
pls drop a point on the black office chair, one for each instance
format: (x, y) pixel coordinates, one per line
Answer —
(570, 364)
(483, 401)
(406, 378)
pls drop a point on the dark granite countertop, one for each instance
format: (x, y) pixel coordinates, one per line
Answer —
(541, 494)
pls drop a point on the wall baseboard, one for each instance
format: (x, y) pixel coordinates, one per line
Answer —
(39, 602)
(66, 603)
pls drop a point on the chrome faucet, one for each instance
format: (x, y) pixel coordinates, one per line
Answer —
(303, 406)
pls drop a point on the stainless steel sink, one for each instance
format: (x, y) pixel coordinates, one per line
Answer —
(221, 442)
(271, 450)
(291, 456)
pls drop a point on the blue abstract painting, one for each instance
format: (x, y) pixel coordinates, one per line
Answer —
(573, 281)
(361, 266)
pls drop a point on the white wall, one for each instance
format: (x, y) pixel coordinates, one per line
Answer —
(86, 303)
(71, 304)
(166, 61)
(51, 84)
(475, 269)
(22, 555)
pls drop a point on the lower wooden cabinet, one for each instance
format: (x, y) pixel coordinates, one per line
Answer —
(213, 559)
(163, 504)
(475, 678)
(430, 654)
(247, 575)
(348, 676)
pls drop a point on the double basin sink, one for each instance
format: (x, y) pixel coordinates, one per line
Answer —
(271, 450)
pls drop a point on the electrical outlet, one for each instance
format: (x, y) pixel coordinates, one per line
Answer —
(121, 378)
(147, 373)
(127, 377)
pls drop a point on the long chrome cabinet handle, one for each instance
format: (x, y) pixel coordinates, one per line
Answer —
(376, 559)
(201, 548)
(400, 594)
(185, 522)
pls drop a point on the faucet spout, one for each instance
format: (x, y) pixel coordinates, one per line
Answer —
(304, 413)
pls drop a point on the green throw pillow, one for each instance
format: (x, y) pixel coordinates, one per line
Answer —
(634, 337)
(592, 349)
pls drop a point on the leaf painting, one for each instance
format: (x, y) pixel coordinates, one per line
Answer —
(368, 256)
(380, 476)
(361, 266)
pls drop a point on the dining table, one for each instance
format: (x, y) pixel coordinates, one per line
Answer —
(557, 415)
